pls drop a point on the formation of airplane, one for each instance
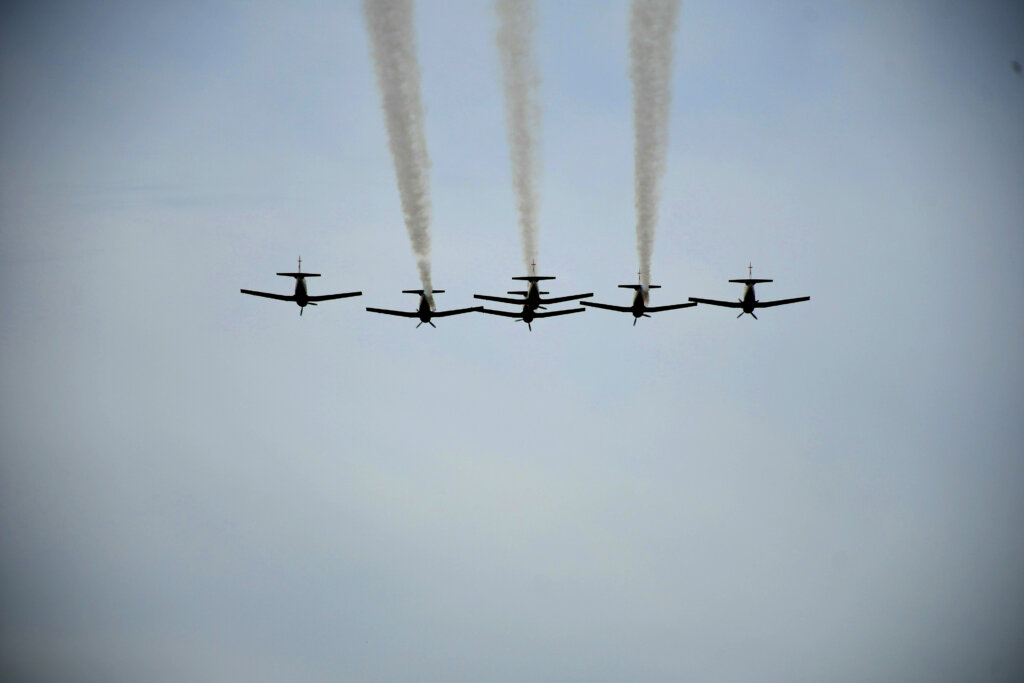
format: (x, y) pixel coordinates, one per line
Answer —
(425, 311)
(640, 307)
(749, 301)
(533, 301)
(301, 296)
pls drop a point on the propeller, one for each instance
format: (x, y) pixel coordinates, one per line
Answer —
(523, 320)
(642, 315)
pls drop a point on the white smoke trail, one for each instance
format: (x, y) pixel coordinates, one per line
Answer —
(521, 78)
(651, 27)
(393, 43)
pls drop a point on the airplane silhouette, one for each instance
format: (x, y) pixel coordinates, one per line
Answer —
(640, 307)
(532, 297)
(425, 311)
(749, 301)
(301, 296)
(527, 315)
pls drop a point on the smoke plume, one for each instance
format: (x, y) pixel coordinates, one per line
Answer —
(651, 27)
(517, 23)
(393, 44)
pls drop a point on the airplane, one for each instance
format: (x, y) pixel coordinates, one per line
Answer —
(532, 297)
(529, 314)
(749, 302)
(639, 309)
(301, 297)
(425, 311)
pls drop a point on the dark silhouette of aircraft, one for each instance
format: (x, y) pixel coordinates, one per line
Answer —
(425, 311)
(639, 309)
(532, 298)
(301, 297)
(749, 302)
(529, 314)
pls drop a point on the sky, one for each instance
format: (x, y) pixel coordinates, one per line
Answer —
(198, 485)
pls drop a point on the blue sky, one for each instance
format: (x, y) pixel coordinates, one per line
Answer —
(199, 485)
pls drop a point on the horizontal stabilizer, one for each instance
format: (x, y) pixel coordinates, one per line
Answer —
(750, 281)
(299, 275)
(420, 291)
(533, 278)
(519, 292)
(639, 287)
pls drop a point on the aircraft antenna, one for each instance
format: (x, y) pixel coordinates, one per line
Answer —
(300, 264)
(750, 270)
(533, 267)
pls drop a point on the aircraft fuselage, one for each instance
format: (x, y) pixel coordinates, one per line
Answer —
(301, 295)
(424, 310)
(639, 304)
(532, 297)
(749, 300)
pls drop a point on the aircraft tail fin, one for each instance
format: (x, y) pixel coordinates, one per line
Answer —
(298, 275)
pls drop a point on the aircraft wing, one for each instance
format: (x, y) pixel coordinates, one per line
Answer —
(328, 297)
(548, 314)
(279, 297)
(499, 299)
(713, 302)
(507, 314)
(658, 309)
(457, 311)
(621, 309)
(769, 304)
(562, 299)
(404, 314)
